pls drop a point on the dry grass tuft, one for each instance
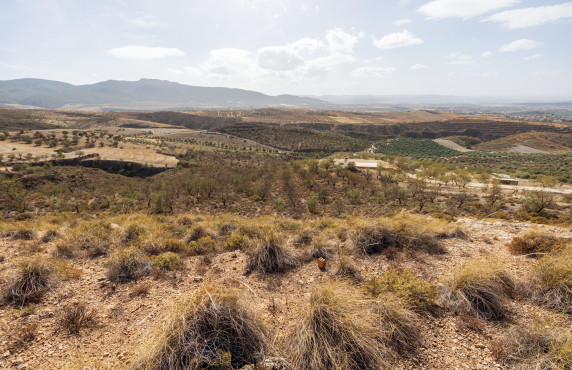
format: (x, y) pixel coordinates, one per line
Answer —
(337, 331)
(552, 280)
(401, 327)
(270, 256)
(75, 317)
(127, 265)
(347, 268)
(31, 283)
(377, 239)
(481, 288)
(543, 343)
(214, 328)
(90, 239)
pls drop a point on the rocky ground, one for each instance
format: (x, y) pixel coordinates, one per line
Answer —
(126, 313)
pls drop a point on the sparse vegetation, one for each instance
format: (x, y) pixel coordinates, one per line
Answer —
(32, 282)
(269, 255)
(552, 280)
(127, 265)
(214, 328)
(480, 288)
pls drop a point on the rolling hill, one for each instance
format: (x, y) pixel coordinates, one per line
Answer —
(145, 94)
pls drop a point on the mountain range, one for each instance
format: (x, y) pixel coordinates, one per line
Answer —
(143, 93)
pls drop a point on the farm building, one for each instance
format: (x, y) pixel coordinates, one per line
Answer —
(505, 179)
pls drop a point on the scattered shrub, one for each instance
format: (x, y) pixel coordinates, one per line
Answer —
(552, 280)
(196, 232)
(76, 316)
(140, 290)
(127, 265)
(94, 239)
(175, 246)
(23, 233)
(68, 271)
(270, 256)
(481, 288)
(21, 334)
(31, 283)
(215, 328)
(337, 331)
(168, 261)
(204, 245)
(416, 293)
(534, 243)
(235, 241)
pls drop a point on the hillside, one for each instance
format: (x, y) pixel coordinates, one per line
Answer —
(545, 141)
(138, 95)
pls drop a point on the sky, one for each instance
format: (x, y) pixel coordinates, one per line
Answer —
(303, 47)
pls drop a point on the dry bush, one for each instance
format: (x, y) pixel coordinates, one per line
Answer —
(31, 283)
(23, 233)
(128, 264)
(91, 239)
(543, 343)
(534, 243)
(414, 292)
(377, 239)
(21, 334)
(49, 236)
(337, 331)
(236, 241)
(74, 317)
(552, 280)
(202, 246)
(400, 326)
(472, 323)
(215, 328)
(140, 290)
(270, 256)
(481, 288)
(347, 268)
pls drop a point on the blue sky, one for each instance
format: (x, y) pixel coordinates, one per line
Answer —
(310, 47)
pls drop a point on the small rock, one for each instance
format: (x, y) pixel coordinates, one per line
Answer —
(22, 366)
(480, 345)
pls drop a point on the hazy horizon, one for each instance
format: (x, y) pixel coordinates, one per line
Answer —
(490, 48)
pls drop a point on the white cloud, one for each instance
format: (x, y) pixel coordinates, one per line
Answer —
(522, 44)
(397, 40)
(459, 59)
(144, 52)
(278, 58)
(534, 16)
(487, 54)
(531, 57)
(417, 67)
(306, 45)
(465, 9)
(340, 42)
(401, 22)
(372, 71)
(226, 62)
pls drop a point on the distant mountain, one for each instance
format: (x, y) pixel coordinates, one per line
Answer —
(143, 93)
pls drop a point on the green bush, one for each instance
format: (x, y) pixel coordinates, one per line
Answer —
(168, 261)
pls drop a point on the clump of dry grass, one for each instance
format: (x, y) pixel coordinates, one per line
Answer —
(400, 326)
(270, 256)
(128, 264)
(480, 288)
(377, 239)
(534, 243)
(347, 268)
(76, 316)
(90, 239)
(414, 292)
(32, 282)
(215, 328)
(552, 280)
(545, 342)
(338, 331)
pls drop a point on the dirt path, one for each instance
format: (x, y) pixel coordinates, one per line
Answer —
(452, 145)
